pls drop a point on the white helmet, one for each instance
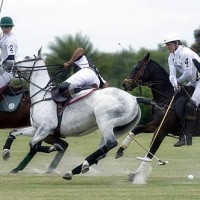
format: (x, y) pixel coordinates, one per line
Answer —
(170, 37)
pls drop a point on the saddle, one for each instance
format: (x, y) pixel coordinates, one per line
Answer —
(66, 98)
(10, 97)
(67, 95)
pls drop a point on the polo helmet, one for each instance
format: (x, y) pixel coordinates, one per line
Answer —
(170, 37)
(6, 22)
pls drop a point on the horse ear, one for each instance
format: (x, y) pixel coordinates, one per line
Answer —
(147, 57)
(40, 53)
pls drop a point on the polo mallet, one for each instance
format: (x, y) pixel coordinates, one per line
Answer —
(160, 162)
(1, 5)
(155, 135)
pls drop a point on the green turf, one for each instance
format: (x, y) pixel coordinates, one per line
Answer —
(108, 179)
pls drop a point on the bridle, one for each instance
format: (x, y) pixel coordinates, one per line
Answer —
(36, 68)
(32, 69)
(138, 79)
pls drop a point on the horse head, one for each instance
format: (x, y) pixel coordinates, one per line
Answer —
(136, 77)
(26, 66)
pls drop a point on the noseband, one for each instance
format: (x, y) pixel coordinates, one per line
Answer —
(137, 79)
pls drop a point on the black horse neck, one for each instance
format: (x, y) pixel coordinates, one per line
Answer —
(159, 83)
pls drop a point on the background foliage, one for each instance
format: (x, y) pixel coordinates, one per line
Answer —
(114, 67)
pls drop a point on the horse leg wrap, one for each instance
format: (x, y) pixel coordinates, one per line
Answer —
(97, 155)
(35, 147)
(124, 145)
(60, 145)
(92, 159)
(127, 140)
(44, 149)
(9, 142)
(77, 170)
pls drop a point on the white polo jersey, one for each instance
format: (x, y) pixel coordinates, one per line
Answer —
(8, 45)
(181, 60)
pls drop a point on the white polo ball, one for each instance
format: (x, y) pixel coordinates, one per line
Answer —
(190, 177)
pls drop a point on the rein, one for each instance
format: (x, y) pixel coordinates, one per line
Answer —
(138, 75)
(31, 70)
(138, 82)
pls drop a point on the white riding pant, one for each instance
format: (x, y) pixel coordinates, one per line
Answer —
(5, 78)
(196, 95)
(83, 78)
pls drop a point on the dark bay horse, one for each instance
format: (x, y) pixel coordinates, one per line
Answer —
(149, 73)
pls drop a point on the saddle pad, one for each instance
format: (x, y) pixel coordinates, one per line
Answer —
(81, 95)
(10, 103)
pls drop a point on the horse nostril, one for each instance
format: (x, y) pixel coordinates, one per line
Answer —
(124, 87)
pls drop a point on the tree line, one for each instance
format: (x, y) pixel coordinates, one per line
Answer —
(114, 67)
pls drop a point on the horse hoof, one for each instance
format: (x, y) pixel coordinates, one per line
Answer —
(6, 154)
(85, 167)
(49, 171)
(68, 176)
(119, 153)
(14, 171)
(132, 176)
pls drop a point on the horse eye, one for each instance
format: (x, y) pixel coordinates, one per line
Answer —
(137, 67)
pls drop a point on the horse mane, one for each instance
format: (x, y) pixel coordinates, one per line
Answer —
(164, 72)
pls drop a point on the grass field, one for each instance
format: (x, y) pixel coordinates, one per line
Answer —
(108, 179)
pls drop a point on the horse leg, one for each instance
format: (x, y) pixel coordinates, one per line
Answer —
(28, 131)
(45, 149)
(90, 160)
(147, 128)
(58, 156)
(26, 160)
(144, 169)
